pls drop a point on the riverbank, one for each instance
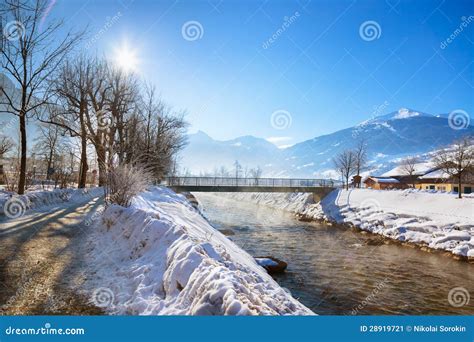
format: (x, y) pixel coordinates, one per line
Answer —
(431, 221)
(161, 257)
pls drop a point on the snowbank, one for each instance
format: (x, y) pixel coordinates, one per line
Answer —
(14, 205)
(161, 257)
(437, 220)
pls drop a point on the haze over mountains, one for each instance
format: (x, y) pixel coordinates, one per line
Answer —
(388, 138)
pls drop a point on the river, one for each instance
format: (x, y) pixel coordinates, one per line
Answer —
(339, 271)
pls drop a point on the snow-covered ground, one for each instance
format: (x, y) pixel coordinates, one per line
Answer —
(161, 257)
(13, 205)
(436, 220)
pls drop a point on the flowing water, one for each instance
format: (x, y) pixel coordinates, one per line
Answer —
(338, 271)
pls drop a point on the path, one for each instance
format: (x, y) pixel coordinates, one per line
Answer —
(40, 259)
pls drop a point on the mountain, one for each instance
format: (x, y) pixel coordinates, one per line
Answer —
(203, 153)
(388, 138)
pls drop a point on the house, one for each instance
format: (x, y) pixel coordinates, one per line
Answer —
(441, 181)
(383, 183)
(425, 177)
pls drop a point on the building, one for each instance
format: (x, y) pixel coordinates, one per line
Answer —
(425, 177)
(383, 183)
(440, 181)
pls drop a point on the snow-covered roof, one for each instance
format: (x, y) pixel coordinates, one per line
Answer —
(384, 179)
(420, 169)
(435, 174)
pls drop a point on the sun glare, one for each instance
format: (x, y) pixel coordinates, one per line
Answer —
(126, 58)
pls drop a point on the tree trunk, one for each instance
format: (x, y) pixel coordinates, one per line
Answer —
(102, 165)
(459, 186)
(48, 167)
(22, 179)
(84, 167)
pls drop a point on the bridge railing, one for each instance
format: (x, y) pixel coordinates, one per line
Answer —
(264, 182)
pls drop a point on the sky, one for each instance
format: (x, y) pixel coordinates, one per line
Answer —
(287, 70)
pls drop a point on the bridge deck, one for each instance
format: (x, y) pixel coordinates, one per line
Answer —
(229, 184)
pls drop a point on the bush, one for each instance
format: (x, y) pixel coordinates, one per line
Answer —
(124, 182)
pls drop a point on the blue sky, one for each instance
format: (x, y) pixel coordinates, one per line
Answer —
(321, 71)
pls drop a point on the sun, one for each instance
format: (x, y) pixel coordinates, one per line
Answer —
(126, 58)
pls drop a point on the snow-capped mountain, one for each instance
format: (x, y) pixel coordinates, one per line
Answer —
(203, 153)
(388, 138)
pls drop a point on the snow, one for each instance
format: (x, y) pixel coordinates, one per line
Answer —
(437, 174)
(266, 262)
(16, 205)
(437, 220)
(404, 113)
(419, 169)
(161, 257)
(387, 180)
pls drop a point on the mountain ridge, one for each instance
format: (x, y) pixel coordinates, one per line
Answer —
(388, 137)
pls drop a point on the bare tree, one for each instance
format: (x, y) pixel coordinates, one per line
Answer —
(124, 92)
(360, 158)
(47, 144)
(222, 171)
(256, 174)
(408, 167)
(29, 57)
(164, 137)
(237, 169)
(457, 160)
(6, 144)
(98, 119)
(71, 87)
(345, 165)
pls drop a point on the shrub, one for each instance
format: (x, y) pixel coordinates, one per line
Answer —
(124, 182)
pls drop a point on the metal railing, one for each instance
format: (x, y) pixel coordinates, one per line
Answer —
(252, 182)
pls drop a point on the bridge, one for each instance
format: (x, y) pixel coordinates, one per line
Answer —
(319, 187)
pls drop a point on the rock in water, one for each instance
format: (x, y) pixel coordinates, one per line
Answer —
(271, 264)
